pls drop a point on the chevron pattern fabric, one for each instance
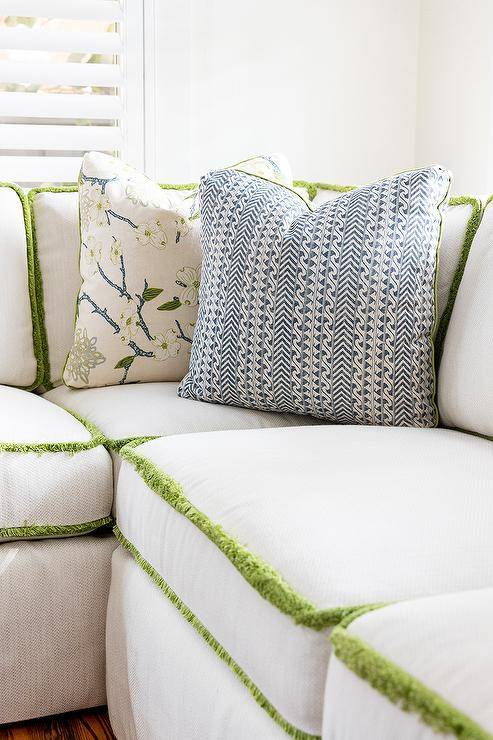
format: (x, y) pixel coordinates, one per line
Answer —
(328, 312)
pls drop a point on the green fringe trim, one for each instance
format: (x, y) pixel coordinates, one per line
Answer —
(403, 689)
(97, 439)
(471, 228)
(52, 530)
(313, 187)
(259, 574)
(115, 445)
(259, 697)
(45, 378)
(32, 269)
(185, 186)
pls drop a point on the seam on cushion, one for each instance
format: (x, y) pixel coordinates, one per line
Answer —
(259, 574)
(402, 688)
(97, 439)
(471, 229)
(28, 531)
(190, 617)
(45, 379)
(115, 445)
(36, 322)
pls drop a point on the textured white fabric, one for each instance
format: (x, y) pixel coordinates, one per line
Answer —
(155, 409)
(56, 221)
(18, 364)
(355, 711)
(454, 225)
(163, 680)
(55, 488)
(52, 487)
(53, 597)
(26, 417)
(465, 389)
(446, 642)
(347, 515)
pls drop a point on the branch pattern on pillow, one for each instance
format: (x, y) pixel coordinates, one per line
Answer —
(140, 265)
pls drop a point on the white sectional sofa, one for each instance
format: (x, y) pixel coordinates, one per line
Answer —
(270, 575)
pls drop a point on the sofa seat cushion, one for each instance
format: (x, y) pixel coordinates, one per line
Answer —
(430, 657)
(271, 536)
(123, 412)
(55, 474)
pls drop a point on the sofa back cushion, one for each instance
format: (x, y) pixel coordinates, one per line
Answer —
(18, 320)
(465, 383)
(54, 213)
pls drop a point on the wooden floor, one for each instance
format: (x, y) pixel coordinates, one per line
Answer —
(93, 724)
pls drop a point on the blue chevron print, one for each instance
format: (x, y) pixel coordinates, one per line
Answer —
(328, 312)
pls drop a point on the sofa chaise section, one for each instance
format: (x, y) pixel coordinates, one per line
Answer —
(417, 669)
(270, 538)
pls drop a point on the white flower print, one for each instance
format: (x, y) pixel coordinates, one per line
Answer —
(188, 278)
(128, 321)
(151, 234)
(83, 357)
(116, 250)
(166, 345)
(93, 250)
(182, 228)
(97, 205)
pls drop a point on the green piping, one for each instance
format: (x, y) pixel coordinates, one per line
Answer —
(115, 445)
(471, 228)
(97, 439)
(53, 530)
(185, 186)
(403, 689)
(259, 697)
(32, 269)
(259, 574)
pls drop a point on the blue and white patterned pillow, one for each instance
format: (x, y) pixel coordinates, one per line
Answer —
(328, 312)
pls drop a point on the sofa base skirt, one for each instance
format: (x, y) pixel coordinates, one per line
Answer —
(163, 679)
(53, 599)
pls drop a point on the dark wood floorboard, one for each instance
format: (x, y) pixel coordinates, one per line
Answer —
(92, 724)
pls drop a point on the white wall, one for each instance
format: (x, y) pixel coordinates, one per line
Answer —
(349, 90)
(454, 116)
(331, 83)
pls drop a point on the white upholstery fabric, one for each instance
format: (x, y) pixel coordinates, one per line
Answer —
(454, 225)
(53, 597)
(52, 488)
(161, 673)
(465, 389)
(155, 409)
(18, 364)
(56, 220)
(347, 515)
(445, 642)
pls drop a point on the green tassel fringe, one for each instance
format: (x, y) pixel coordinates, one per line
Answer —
(259, 697)
(52, 530)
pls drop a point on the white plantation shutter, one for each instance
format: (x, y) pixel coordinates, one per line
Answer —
(71, 81)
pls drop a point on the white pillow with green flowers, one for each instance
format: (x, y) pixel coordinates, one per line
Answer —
(140, 263)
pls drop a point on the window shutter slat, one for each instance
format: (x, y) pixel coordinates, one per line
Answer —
(21, 37)
(40, 169)
(75, 138)
(64, 73)
(60, 105)
(100, 10)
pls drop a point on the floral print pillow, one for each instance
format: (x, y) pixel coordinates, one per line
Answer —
(140, 263)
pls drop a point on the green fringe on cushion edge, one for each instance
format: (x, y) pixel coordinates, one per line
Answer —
(259, 697)
(401, 688)
(53, 530)
(313, 187)
(32, 268)
(471, 228)
(259, 574)
(97, 439)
